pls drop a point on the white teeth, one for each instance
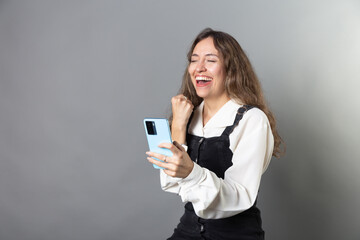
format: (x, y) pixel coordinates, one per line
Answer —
(203, 79)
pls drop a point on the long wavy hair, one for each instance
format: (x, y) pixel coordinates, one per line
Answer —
(241, 84)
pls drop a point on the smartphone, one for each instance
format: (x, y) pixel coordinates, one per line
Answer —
(158, 131)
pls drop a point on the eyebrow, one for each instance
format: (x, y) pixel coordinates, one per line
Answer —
(207, 55)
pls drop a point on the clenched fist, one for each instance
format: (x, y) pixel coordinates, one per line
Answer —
(182, 109)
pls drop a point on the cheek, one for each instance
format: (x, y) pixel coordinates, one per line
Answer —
(190, 69)
(190, 72)
(218, 72)
(221, 76)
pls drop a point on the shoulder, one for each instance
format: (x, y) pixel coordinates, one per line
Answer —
(253, 120)
(254, 128)
(255, 115)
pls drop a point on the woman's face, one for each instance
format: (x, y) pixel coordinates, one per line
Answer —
(207, 70)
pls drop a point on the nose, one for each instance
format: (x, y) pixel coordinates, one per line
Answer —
(200, 67)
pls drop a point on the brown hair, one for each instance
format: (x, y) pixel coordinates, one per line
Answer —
(241, 84)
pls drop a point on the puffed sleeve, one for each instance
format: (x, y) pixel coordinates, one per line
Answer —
(212, 197)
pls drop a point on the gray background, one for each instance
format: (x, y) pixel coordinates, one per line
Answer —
(78, 77)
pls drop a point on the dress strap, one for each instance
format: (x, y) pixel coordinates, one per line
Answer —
(240, 113)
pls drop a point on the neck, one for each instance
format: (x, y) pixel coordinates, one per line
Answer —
(211, 106)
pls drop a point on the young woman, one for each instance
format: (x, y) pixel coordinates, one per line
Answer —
(224, 137)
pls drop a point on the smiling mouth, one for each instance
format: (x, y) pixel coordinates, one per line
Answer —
(202, 81)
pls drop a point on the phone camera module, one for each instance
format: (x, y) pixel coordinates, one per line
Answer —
(150, 127)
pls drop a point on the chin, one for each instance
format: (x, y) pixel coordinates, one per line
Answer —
(201, 94)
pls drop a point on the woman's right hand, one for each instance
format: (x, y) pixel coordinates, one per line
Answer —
(181, 109)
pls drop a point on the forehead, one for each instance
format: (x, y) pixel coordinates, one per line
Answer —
(205, 46)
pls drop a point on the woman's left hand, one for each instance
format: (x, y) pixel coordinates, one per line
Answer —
(178, 165)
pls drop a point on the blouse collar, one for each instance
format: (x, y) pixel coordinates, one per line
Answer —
(223, 117)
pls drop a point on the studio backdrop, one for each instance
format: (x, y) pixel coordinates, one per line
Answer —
(78, 77)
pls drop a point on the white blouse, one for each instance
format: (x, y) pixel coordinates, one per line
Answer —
(251, 143)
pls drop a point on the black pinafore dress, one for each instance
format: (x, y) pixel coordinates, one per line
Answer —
(214, 154)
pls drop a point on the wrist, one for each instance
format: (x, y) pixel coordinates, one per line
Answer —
(178, 126)
(178, 135)
(193, 178)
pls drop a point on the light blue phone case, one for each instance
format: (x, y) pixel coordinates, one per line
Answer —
(162, 135)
